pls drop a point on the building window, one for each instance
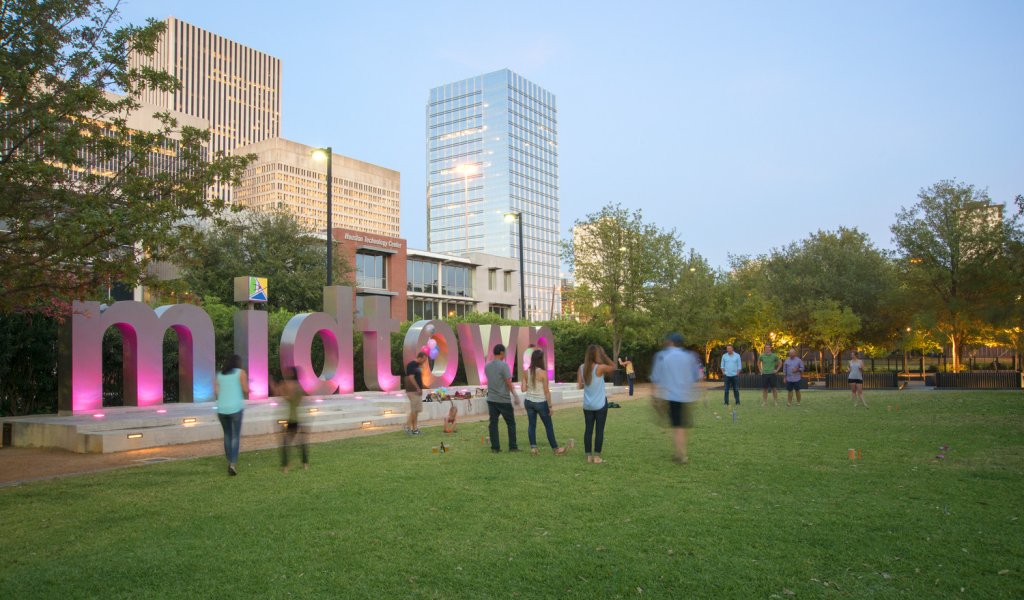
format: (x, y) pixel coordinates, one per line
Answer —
(492, 279)
(370, 271)
(508, 281)
(455, 281)
(421, 309)
(501, 311)
(453, 308)
(421, 276)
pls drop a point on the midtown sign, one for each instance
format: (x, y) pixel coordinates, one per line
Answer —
(80, 367)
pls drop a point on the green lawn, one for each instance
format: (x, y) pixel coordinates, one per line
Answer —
(770, 506)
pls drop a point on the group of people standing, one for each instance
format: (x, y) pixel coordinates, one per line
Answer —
(769, 365)
(674, 374)
(502, 397)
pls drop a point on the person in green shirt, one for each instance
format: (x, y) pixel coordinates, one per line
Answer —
(769, 364)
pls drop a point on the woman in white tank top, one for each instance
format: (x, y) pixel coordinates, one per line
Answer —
(537, 389)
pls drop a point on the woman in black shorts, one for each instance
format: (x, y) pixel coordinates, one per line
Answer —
(856, 379)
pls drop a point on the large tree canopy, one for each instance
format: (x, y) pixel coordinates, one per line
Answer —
(956, 251)
(841, 266)
(82, 203)
(262, 244)
(621, 264)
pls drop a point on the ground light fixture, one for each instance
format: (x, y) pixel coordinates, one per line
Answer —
(509, 218)
(135, 436)
(322, 155)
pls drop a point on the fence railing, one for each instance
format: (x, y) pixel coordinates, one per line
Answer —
(872, 381)
(976, 380)
(753, 381)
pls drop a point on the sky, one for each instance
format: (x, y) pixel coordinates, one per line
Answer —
(744, 126)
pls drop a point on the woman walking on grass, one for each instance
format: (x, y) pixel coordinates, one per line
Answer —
(537, 389)
(231, 388)
(856, 379)
(595, 403)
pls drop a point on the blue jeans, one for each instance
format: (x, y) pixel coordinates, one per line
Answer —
(630, 378)
(733, 381)
(594, 429)
(232, 425)
(540, 409)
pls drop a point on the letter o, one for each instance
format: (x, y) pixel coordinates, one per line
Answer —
(446, 365)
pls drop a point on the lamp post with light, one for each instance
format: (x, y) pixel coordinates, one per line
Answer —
(518, 216)
(322, 154)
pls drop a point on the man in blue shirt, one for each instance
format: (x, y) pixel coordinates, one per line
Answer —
(675, 371)
(731, 366)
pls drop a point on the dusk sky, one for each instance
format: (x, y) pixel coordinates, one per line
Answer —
(744, 126)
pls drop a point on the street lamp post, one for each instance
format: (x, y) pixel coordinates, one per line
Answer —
(327, 154)
(518, 216)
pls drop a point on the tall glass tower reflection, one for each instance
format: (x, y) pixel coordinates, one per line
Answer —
(492, 149)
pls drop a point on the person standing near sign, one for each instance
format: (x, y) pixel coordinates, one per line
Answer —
(414, 392)
(499, 400)
(231, 387)
(590, 379)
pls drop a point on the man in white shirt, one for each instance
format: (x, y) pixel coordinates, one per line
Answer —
(731, 366)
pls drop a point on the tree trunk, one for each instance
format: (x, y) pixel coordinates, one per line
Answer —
(955, 352)
(835, 360)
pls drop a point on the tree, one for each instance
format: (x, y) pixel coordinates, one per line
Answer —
(841, 265)
(81, 202)
(954, 248)
(621, 264)
(834, 326)
(262, 244)
(754, 314)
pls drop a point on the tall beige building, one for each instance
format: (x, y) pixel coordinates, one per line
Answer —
(235, 88)
(284, 176)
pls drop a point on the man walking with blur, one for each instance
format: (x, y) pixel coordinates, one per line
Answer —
(674, 375)
(731, 366)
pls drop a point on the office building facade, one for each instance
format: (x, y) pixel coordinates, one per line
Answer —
(285, 176)
(417, 284)
(233, 87)
(492, 150)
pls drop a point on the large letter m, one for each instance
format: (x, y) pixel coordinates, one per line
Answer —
(80, 370)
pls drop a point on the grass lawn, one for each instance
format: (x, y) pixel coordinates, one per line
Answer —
(770, 507)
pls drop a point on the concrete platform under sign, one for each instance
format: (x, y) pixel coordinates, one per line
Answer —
(119, 429)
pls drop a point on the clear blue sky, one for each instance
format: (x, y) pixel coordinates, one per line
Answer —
(743, 126)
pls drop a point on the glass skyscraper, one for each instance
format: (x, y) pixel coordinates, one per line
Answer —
(492, 149)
